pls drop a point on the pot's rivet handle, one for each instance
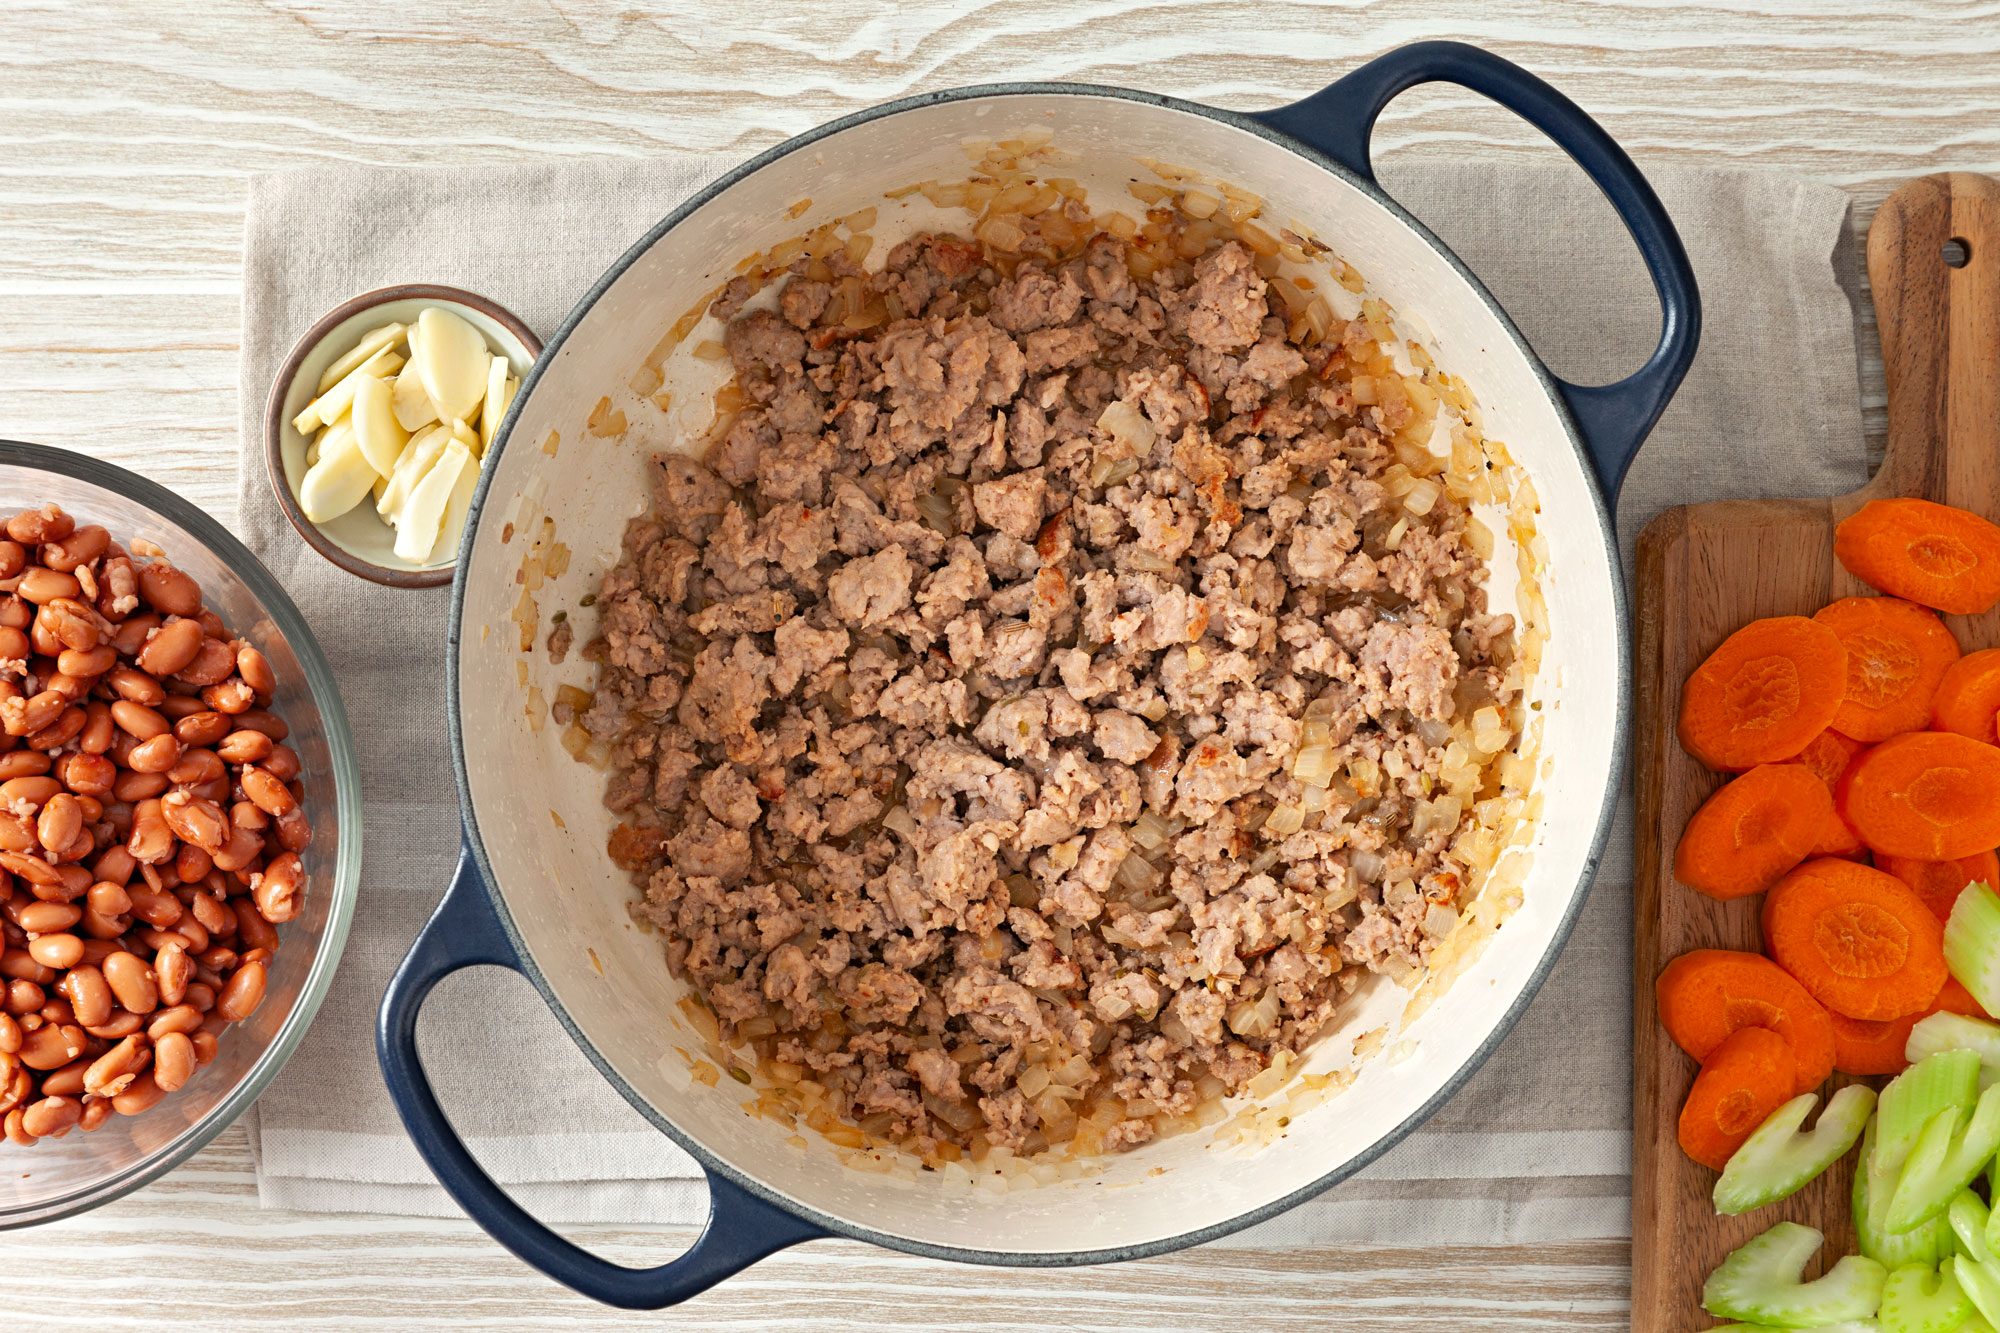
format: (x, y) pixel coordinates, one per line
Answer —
(465, 932)
(1339, 120)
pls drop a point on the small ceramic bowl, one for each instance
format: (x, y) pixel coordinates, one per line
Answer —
(359, 541)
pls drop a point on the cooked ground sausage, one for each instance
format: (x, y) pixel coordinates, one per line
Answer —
(952, 698)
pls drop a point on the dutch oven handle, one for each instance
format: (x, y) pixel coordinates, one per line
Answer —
(1340, 119)
(742, 1228)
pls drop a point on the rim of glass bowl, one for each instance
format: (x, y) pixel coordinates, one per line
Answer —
(346, 873)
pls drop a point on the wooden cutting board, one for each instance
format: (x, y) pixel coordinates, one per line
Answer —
(1702, 571)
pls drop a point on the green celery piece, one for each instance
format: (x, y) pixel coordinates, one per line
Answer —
(1948, 1078)
(1971, 1224)
(1944, 1031)
(1992, 1227)
(1777, 1160)
(1982, 1284)
(1759, 1282)
(1926, 1244)
(1944, 1161)
(1919, 1299)
(1972, 944)
(1844, 1326)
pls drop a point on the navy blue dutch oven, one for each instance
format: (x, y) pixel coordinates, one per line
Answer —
(540, 895)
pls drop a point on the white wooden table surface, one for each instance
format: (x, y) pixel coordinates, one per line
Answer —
(126, 130)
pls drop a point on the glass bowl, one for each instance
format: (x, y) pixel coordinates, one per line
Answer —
(59, 1178)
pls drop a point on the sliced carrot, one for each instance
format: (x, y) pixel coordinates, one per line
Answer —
(1968, 697)
(1863, 1046)
(1857, 939)
(1706, 994)
(1938, 883)
(1751, 1074)
(1931, 795)
(1764, 693)
(1930, 553)
(1956, 999)
(1897, 652)
(1752, 830)
(1828, 756)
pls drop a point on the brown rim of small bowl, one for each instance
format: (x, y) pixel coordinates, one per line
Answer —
(274, 420)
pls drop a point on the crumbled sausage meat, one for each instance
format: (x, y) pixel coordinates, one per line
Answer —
(948, 729)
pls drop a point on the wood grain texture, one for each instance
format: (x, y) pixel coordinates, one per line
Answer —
(1705, 570)
(126, 132)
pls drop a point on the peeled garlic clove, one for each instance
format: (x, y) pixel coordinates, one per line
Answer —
(422, 451)
(373, 341)
(466, 435)
(336, 483)
(451, 357)
(423, 513)
(413, 407)
(328, 407)
(453, 527)
(495, 405)
(375, 426)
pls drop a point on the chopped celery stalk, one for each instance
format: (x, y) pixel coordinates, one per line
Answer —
(1944, 1031)
(1992, 1226)
(1981, 1283)
(1844, 1326)
(1944, 1161)
(1948, 1078)
(1972, 944)
(1971, 1224)
(1759, 1282)
(1777, 1159)
(1919, 1299)
(1873, 1182)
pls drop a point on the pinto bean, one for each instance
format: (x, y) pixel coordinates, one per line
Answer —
(171, 648)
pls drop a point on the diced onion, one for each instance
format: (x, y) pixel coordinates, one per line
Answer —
(1314, 765)
(935, 512)
(1149, 831)
(1127, 425)
(1285, 821)
(1138, 874)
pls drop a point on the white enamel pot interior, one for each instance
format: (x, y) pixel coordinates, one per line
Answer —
(537, 828)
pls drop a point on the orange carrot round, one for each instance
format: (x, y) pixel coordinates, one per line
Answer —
(1956, 999)
(1764, 693)
(1752, 830)
(1857, 939)
(1931, 795)
(1706, 994)
(1897, 653)
(1930, 553)
(1938, 883)
(1862, 1046)
(1748, 1076)
(1968, 697)
(1828, 756)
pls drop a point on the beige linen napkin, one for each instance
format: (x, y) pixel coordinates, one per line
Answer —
(1535, 1148)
